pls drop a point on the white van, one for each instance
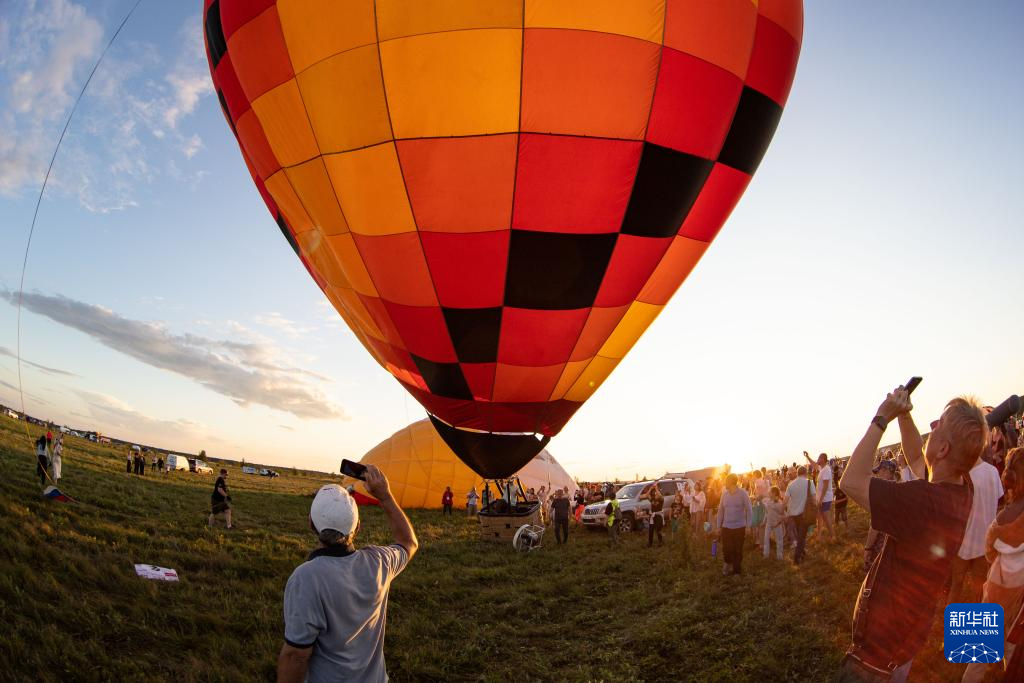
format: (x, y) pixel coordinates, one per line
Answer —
(248, 469)
(176, 462)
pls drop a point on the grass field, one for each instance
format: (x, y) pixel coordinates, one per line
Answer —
(73, 609)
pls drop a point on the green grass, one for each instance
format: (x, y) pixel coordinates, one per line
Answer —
(73, 609)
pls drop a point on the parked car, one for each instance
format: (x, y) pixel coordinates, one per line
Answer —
(268, 473)
(10, 413)
(199, 467)
(176, 462)
(634, 508)
(249, 469)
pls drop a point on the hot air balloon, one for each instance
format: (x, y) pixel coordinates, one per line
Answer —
(419, 465)
(500, 196)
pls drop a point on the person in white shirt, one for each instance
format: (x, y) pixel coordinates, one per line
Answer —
(799, 493)
(823, 499)
(336, 603)
(542, 498)
(970, 559)
(906, 473)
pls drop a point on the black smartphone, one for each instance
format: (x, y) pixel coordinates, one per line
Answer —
(353, 469)
(911, 385)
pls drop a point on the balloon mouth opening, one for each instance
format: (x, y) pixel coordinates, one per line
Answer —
(492, 455)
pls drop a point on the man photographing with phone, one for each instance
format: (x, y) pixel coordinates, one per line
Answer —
(336, 602)
(923, 521)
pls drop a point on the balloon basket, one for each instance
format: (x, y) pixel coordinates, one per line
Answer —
(498, 524)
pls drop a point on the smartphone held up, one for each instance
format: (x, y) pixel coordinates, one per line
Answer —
(353, 469)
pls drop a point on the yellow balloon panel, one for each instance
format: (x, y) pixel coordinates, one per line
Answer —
(339, 25)
(344, 97)
(643, 19)
(286, 124)
(400, 18)
(310, 180)
(419, 465)
(372, 193)
(455, 83)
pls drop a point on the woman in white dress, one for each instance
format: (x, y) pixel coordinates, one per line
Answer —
(58, 449)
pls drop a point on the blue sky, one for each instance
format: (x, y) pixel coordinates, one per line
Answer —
(880, 238)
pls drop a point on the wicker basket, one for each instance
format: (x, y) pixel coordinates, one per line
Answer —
(502, 527)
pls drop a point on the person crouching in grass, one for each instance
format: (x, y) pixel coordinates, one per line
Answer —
(924, 523)
(336, 602)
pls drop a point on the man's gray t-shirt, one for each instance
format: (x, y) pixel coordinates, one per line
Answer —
(337, 603)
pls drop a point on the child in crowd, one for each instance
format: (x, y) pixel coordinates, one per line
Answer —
(839, 509)
(775, 516)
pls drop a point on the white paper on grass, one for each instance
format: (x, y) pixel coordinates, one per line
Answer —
(151, 571)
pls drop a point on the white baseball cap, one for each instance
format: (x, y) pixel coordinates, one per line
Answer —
(333, 508)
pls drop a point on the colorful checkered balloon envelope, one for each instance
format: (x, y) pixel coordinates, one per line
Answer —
(499, 196)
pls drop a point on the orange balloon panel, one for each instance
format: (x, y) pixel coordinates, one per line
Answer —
(501, 196)
(419, 465)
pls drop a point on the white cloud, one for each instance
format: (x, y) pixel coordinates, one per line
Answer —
(245, 372)
(289, 328)
(132, 120)
(44, 53)
(192, 146)
(188, 86)
(46, 87)
(4, 351)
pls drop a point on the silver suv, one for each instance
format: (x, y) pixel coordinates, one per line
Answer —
(634, 507)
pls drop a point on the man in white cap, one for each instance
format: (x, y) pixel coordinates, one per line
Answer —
(335, 603)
